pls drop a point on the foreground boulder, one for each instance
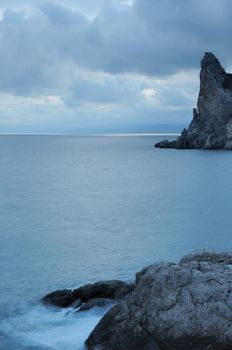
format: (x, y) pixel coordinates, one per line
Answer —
(211, 126)
(173, 307)
(114, 290)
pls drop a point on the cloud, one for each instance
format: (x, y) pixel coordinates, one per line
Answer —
(133, 57)
(161, 37)
(149, 37)
(149, 93)
(88, 7)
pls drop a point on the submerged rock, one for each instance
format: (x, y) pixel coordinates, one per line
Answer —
(113, 289)
(173, 306)
(211, 126)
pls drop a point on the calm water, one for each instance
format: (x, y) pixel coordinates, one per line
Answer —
(80, 209)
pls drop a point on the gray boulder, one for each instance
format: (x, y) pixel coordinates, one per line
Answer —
(113, 289)
(173, 306)
(211, 126)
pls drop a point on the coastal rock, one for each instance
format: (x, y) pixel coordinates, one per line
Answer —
(211, 126)
(208, 255)
(167, 144)
(61, 298)
(185, 305)
(113, 289)
(97, 302)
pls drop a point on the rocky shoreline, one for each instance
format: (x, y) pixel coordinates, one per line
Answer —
(211, 126)
(97, 294)
(185, 305)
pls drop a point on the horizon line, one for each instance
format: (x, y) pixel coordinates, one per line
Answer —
(87, 134)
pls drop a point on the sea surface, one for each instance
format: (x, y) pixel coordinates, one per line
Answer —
(78, 209)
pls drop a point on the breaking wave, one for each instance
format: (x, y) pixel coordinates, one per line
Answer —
(45, 328)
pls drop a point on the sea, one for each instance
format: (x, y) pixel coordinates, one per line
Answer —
(79, 209)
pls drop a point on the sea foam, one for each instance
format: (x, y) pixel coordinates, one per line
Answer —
(39, 327)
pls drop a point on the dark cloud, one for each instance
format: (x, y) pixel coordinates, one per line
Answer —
(153, 37)
(159, 37)
(51, 49)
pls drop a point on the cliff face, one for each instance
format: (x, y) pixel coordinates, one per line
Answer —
(173, 306)
(211, 126)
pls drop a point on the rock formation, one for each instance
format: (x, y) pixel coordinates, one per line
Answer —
(211, 126)
(173, 306)
(96, 294)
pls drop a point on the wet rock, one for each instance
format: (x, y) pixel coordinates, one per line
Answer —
(113, 289)
(61, 298)
(211, 126)
(166, 144)
(107, 289)
(97, 302)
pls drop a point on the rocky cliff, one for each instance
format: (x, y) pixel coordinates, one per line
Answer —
(211, 126)
(173, 306)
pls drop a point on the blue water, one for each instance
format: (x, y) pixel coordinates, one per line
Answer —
(79, 209)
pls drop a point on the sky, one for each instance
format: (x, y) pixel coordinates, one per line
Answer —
(106, 66)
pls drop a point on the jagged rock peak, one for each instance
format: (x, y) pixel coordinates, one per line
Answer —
(211, 126)
(210, 60)
(212, 74)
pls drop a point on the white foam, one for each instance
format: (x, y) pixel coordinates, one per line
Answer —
(51, 329)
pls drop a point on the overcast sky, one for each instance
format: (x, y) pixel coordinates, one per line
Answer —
(106, 66)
